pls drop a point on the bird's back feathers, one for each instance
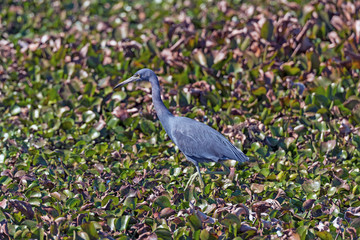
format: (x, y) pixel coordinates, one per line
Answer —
(201, 142)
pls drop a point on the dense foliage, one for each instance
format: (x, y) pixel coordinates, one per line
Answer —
(279, 79)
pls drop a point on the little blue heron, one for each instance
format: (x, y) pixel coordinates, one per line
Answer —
(197, 141)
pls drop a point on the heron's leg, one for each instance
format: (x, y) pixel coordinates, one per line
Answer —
(202, 184)
(225, 172)
(192, 178)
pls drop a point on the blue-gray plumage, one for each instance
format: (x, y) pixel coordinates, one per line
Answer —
(197, 141)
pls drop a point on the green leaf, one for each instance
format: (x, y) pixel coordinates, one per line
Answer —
(94, 134)
(163, 233)
(111, 223)
(324, 235)
(73, 202)
(123, 222)
(292, 71)
(230, 220)
(119, 96)
(84, 235)
(162, 202)
(311, 186)
(88, 116)
(194, 221)
(267, 30)
(67, 123)
(5, 180)
(255, 146)
(204, 234)
(130, 202)
(90, 229)
(200, 57)
(147, 127)
(277, 131)
(15, 110)
(328, 146)
(259, 91)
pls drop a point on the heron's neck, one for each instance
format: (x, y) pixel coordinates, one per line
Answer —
(162, 112)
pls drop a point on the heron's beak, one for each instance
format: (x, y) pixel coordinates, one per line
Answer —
(129, 80)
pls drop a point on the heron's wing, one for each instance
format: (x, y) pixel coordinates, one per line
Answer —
(192, 147)
(203, 143)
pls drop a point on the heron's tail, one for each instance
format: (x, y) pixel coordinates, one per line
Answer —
(241, 157)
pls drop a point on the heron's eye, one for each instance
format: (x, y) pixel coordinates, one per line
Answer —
(137, 75)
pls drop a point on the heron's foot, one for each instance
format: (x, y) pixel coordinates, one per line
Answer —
(225, 172)
(192, 178)
(202, 184)
(201, 181)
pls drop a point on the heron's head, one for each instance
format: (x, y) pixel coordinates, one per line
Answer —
(144, 74)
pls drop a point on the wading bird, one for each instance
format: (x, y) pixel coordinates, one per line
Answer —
(197, 141)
